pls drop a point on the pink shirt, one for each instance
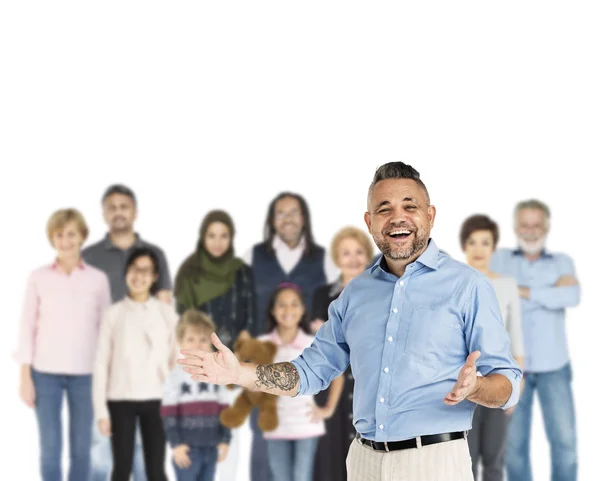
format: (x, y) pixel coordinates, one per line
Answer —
(61, 318)
(293, 412)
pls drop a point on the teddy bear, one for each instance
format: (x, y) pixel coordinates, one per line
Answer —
(249, 349)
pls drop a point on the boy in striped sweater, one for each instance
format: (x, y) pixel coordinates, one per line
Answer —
(190, 410)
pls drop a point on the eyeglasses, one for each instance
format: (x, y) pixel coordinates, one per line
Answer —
(146, 271)
(292, 214)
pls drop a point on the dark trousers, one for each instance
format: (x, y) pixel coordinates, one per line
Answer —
(123, 417)
(487, 442)
(259, 460)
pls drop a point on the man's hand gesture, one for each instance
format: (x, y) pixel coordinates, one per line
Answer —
(466, 384)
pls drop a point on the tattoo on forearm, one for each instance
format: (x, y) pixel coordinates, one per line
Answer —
(282, 375)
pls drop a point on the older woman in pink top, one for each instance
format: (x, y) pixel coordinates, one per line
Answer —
(64, 303)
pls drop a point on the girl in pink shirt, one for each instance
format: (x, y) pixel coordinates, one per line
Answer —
(63, 307)
(291, 447)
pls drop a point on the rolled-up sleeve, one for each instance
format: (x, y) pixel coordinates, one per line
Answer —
(485, 332)
(327, 357)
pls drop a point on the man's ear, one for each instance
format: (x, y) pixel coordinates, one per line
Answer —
(431, 211)
(367, 218)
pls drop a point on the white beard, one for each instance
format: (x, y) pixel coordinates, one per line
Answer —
(532, 248)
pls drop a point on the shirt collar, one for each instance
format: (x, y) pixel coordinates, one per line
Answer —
(299, 342)
(278, 244)
(428, 258)
(144, 305)
(81, 265)
(544, 254)
(108, 243)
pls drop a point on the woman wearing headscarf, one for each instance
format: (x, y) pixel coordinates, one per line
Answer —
(213, 280)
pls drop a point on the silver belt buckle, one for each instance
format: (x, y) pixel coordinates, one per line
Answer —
(387, 450)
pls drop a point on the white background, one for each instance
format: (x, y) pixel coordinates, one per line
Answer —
(223, 105)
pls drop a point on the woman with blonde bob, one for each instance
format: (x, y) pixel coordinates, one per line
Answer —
(352, 251)
(63, 305)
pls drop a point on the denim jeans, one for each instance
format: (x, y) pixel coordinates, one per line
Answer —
(292, 460)
(102, 461)
(558, 412)
(49, 393)
(204, 465)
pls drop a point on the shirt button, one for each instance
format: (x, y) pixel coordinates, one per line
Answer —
(386, 370)
(395, 310)
(401, 283)
(381, 400)
(390, 338)
(381, 427)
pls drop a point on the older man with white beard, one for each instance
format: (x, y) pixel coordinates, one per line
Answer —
(547, 286)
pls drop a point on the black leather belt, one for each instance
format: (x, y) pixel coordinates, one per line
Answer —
(411, 443)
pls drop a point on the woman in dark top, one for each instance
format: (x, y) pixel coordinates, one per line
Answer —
(352, 251)
(216, 282)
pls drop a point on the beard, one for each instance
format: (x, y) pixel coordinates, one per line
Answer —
(120, 224)
(532, 247)
(421, 237)
(290, 232)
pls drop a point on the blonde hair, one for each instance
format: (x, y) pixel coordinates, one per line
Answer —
(196, 320)
(351, 232)
(60, 218)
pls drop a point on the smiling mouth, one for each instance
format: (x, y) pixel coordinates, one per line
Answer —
(399, 234)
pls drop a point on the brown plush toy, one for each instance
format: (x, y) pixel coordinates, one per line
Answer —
(248, 349)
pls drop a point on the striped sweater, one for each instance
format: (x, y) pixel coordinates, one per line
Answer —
(190, 411)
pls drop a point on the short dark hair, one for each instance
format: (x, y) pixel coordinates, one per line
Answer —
(478, 222)
(269, 230)
(138, 252)
(397, 170)
(272, 322)
(119, 189)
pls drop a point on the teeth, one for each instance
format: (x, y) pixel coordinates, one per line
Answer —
(398, 232)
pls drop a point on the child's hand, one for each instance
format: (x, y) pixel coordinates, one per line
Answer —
(104, 427)
(318, 413)
(181, 457)
(223, 451)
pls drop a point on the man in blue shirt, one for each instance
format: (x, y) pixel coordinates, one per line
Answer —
(547, 287)
(417, 328)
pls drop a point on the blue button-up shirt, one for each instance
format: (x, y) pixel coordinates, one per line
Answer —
(543, 315)
(407, 339)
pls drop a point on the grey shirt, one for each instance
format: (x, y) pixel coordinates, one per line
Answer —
(507, 292)
(107, 257)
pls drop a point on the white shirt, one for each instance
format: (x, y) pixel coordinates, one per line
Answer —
(136, 351)
(288, 258)
(507, 292)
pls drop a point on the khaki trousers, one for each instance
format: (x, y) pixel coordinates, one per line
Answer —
(449, 461)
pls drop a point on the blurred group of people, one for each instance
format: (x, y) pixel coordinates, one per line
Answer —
(104, 325)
